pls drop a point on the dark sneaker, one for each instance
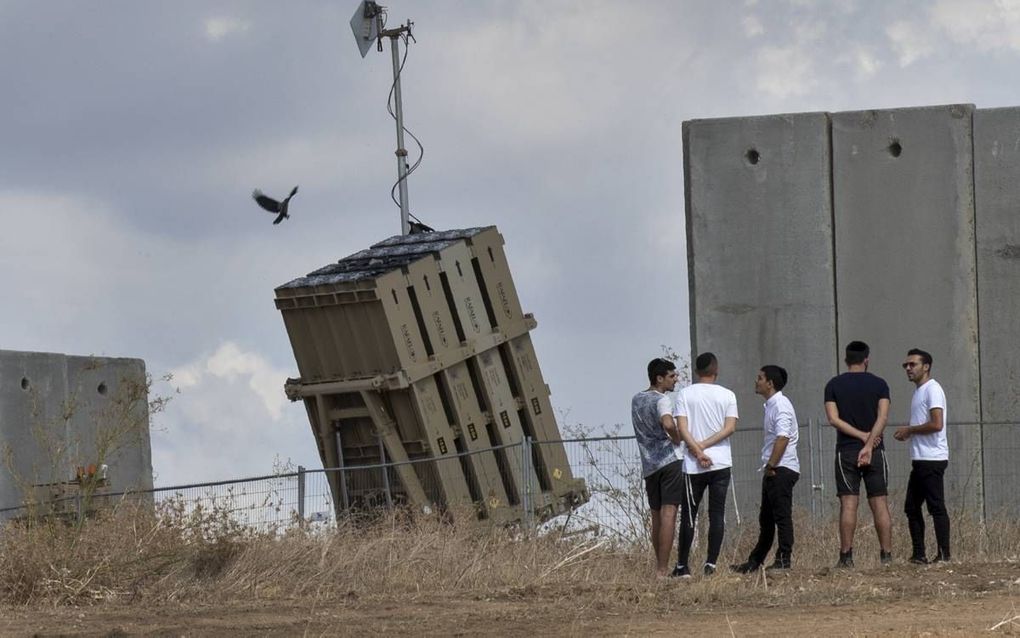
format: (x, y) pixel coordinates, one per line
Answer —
(681, 571)
(846, 560)
(749, 567)
(918, 560)
(709, 569)
(778, 565)
(885, 558)
(941, 558)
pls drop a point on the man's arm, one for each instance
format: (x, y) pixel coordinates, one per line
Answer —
(669, 425)
(832, 413)
(864, 457)
(692, 445)
(934, 424)
(778, 449)
(728, 428)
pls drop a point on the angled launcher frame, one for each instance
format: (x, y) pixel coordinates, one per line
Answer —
(417, 349)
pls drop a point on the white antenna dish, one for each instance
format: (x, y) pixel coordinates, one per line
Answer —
(366, 25)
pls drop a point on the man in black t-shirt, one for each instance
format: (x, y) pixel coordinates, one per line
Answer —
(857, 405)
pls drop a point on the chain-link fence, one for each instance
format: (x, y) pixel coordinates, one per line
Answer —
(981, 480)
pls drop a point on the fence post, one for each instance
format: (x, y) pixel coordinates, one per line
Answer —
(981, 442)
(811, 460)
(342, 479)
(301, 493)
(385, 472)
(818, 483)
(526, 472)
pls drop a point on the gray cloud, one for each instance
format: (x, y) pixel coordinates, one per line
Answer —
(134, 132)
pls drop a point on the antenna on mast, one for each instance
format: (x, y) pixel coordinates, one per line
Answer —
(369, 25)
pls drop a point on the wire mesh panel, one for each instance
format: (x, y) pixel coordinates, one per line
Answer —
(982, 479)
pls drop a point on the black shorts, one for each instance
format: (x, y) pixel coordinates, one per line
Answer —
(666, 485)
(849, 476)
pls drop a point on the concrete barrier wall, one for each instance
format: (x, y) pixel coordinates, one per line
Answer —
(922, 248)
(58, 412)
(759, 246)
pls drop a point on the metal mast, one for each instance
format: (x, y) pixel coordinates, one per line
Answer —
(401, 152)
(368, 27)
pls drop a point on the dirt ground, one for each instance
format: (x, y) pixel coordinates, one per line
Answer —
(954, 600)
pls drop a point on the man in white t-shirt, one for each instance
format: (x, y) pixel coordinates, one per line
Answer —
(706, 415)
(929, 456)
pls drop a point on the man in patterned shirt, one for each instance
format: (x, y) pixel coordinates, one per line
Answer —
(655, 429)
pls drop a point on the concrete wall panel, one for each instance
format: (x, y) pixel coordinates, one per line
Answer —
(903, 198)
(759, 237)
(51, 409)
(997, 193)
(110, 418)
(30, 422)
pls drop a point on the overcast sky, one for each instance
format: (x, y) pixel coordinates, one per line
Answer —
(132, 134)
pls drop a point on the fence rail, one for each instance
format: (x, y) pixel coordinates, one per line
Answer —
(981, 480)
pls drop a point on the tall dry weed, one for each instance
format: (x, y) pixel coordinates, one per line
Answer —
(135, 553)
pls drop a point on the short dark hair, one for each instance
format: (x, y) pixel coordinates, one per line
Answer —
(775, 375)
(659, 367)
(856, 352)
(706, 365)
(925, 357)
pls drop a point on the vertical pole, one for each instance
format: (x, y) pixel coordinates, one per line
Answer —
(816, 453)
(301, 493)
(344, 500)
(526, 473)
(385, 473)
(981, 474)
(811, 460)
(405, 221)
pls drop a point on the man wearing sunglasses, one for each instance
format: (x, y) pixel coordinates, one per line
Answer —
(929, 457)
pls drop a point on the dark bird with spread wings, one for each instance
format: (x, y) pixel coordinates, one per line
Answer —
(277, 208)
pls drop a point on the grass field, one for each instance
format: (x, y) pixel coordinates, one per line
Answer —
(133, 572)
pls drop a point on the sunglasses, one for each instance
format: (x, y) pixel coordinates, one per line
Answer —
(910, 364)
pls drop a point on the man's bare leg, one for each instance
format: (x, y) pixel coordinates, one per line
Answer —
(848, 521)
(656, 524)
(883, 521)
(667, 532)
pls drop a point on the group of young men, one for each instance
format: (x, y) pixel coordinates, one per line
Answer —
(685, 450)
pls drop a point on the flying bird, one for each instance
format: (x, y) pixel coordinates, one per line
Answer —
(273, 206)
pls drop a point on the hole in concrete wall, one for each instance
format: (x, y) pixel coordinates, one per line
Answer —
(101, 389)
(25, 383)
(895, 148)
(752, 156)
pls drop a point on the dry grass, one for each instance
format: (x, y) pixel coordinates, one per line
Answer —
(133, 554)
